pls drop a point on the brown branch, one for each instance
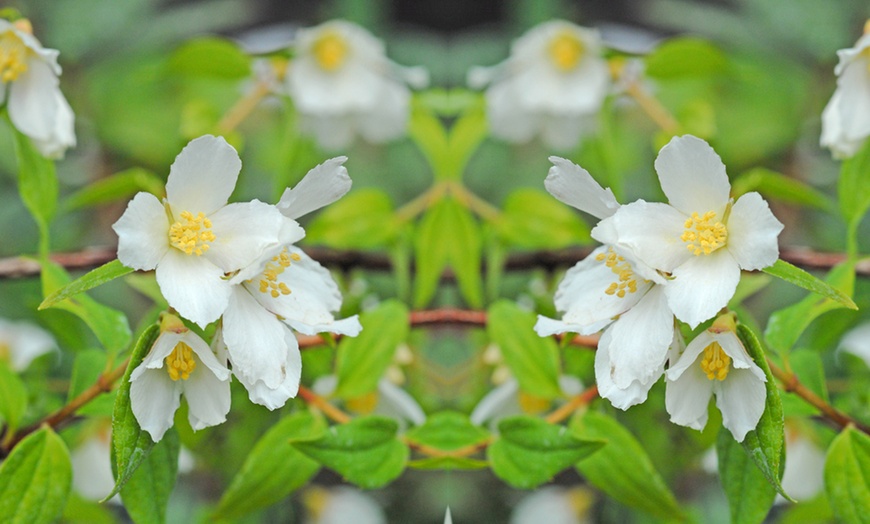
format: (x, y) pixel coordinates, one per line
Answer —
(464, 451)
(578, 401)
(448, 316)
(315, 400)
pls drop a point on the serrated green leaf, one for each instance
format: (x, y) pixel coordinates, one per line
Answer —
(853, 187)
(533, 360)
(777, 186)
(448, 463)
(13, 397)
(130, 443)
(35, 479)
(273, 469)
(685, 57)
(532, 219)
(530, 451)
(146, 492)
(364, 451)
(846, 476)
(37, 184)
(211, 57)
(363, 219)
(622, 468)
(361, 361)
(464, 243)
(88, 366)
(120, 186)
(447, 431)
(801, 278)
(96, 277)
(750, 495)
(431, 252)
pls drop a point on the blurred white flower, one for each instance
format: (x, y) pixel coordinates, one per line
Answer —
(552, 85)
(553, 505)
(388, 400)
(846, 118)
(92, 466)
(857, 342)
(803, 476)
(22, 342)
(343, 84)
(193, 238)
(29, 75)
(506, 399)
(340, 506)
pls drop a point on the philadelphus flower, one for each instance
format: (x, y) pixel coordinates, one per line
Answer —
(846, 118)
(702, 238)
(29, 85)
(342, 84)
(716, 363)
(857, 342)
(22, 342)
(193, 238)
(179, 362)
(552, 85)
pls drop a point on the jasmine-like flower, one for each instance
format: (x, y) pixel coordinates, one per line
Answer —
(716, 363)
(552, 85)
(193, 238)
(22, 342)
(343, 84)
(29, 85)
(846, 118)
(701, 239)
(179, 363)
(857, 342)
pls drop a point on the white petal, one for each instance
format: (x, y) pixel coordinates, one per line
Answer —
(574, 186)
(331, 132)
(208, 396)
(388, 120)
(689, 355)
(205, 356)
(323, 185)
(741, 399)
(621, 398)
(687, 397)
(499, 402)
(33, 103)
(649, 232)
(143, 233)
(702, 286)
(693, 176)
(506, 120)
(732, 346)
(857, 342)
(752, 233)
(154, 397)
(395, 401)
(63, 136)
(193, 286)
(243, 232)
(274, 398)
(25, 342)
(163, 346)
(349, 326)
(854, 86)
(203, 176)
(255, 340)
(546, 327)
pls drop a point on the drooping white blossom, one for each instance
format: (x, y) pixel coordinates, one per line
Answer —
(193, 238)
(552, 85)
(343, 84)
(29, 86)
(857, 342)
(846, 118)
(22, 342)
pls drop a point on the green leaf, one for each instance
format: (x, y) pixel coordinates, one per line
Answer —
(146, 492)
(448, 431)
(801, 278)
(533, 219)
(35, 479)
(432, 252)
(765, 445)
(846, 476)
(109, 325)
(448, 463)
(37, 183)
(96, 277)
(120, 186)
(361, 361)
(88, 366)
(273, 469)
(786, 325)
(130, 443)
(685, 57)
(807, 366)
(364, 451)
(427, 131)
(363, 219)
(853, 186)
(13, 397)
(448, 152)
(750, 495)
(533, 360)
(464, 243)
(622, 468)
(466, 134)
(211, 57)
(530, 451)
(780, 187)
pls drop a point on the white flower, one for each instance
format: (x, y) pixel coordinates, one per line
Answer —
(846, 118)
(193, 238)
(716, 363)
(553, 85)
(341, 505)
(702, 238)
(857, 342)
(192, 369)
(22, 342)
(92, 466)
(553, 505)
(506, 399)
(342, 84)
(388, 400)
(28, 73)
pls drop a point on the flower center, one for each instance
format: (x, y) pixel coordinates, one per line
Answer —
(191, 234)
(269, 283)
(180, 363)
(5, 351)
(704, 234)
(566, 50)
(625, 276)
(13, 57)
(715, 363)
(330, 50)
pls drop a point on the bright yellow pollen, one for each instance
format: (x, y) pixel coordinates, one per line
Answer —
(13, 57)
(330, 51)
(180, 363)
(715, 363)
(703, 234)
(269, 283)
(566, 50)
(626, 283)
(191, 234)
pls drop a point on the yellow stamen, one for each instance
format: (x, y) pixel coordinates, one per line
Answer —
(566, 51)
(531, 404)
(626, 282)
(330, 51)
(715, 363)
(269, 283)
(191, 234)
(364, 404)
(13, 57)
(180, 363)
(5, 351)
(704, 234)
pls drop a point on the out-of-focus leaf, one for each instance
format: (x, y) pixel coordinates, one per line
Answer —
(685, 57)
(448, 152)
(807, 366)
(13, 397)
(750, 495)
(37, 184)
(35, 479)
(96, 277)
(464, 243)
(448, 463)
(448, 431)
(432, 252)
(146, 492)
(777, 186)
(88, 366)
(212, 57)
(120, 186)
(853, 186)
(363, 219)
(532, 219)
(846, 485)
